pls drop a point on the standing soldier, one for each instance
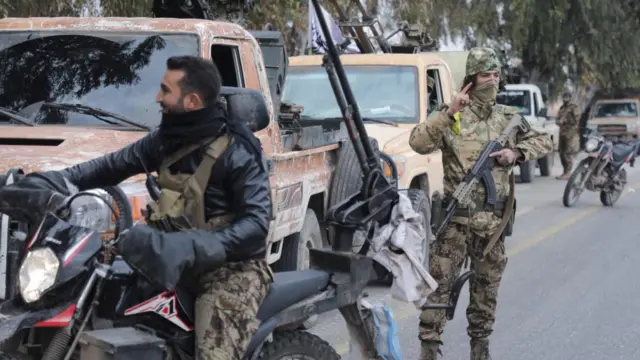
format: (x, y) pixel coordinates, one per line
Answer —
(569, 144)
(461, 130)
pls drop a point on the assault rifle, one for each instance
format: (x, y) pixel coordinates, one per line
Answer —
(481, 171)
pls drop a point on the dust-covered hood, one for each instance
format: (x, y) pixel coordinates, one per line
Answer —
(55, 147)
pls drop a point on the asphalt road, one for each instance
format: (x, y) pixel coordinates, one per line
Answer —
(569, 290)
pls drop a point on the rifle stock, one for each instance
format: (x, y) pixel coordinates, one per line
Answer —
(481, 172)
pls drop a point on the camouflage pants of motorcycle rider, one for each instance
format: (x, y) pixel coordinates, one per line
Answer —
(226, 309)
(448, 255)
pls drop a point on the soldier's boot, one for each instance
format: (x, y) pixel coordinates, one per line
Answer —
(480, 349)
(429, 350)
(564, 176)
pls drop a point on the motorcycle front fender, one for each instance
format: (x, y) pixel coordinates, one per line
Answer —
(14, 317)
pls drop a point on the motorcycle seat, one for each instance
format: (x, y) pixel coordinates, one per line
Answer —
(621, 151)
(289, 287)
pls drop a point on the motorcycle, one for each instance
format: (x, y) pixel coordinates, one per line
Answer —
(603, 170)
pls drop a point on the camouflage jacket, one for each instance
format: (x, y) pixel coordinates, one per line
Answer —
(468, 138)
(569, 119)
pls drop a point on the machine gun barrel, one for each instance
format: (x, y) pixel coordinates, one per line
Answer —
(377, 197)
(351, 112)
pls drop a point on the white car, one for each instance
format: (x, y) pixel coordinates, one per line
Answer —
(527, 98)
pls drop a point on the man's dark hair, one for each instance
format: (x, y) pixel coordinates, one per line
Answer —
(201, 76)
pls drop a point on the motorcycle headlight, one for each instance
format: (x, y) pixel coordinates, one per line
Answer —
(38, 273)
(591, 145)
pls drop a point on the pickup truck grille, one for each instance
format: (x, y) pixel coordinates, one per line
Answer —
(615, 129)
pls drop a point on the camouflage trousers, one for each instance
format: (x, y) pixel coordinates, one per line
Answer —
(226, 309)
(568, 147)
(446, 259)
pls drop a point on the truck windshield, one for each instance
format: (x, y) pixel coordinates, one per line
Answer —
(382, 92)
(625, 109)
(519, 99)
(116, 72)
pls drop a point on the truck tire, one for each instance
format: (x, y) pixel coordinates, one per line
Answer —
(347, 177)
(546, 164)
(295, 253)
(527, 171)
(295, 247)
(286, 345)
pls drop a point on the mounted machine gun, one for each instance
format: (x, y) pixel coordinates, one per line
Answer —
(415, 37)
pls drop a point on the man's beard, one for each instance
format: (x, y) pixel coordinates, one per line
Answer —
(178, 108)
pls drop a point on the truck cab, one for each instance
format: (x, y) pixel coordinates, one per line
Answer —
(615, 118)
(391, 90)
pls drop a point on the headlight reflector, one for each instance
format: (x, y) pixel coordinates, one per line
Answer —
(90, 212)
(591, 145)
(38, 273)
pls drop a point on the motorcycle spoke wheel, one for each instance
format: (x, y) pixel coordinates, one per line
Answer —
(572, 190)
(610, 196)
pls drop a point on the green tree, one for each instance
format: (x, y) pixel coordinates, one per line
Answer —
(586, 41)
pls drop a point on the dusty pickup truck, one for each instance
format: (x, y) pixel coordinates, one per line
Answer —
(391, 90)
(107, 72)
(615, 118)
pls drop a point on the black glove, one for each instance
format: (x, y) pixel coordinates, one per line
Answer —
(158, 259)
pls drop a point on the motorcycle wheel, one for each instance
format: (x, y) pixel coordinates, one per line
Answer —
(571, 193)
(608, 198)
(300, 344)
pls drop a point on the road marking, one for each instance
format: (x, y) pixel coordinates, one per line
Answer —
(406, 310)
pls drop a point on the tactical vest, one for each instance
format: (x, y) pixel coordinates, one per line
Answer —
(183, 194)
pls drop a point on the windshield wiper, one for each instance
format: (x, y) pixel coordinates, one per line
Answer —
(97, 113)
(380, 121)
(20, 119)
(387, 122)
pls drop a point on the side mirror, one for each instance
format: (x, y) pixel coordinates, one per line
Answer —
(542, 112)
(247, 106)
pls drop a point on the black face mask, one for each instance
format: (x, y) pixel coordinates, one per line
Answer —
(186, 128)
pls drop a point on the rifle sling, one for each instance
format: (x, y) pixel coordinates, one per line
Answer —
(506, 216)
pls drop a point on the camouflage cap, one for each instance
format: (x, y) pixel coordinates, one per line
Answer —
(430, 82)
(481, 59)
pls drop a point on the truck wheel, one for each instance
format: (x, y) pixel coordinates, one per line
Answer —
(347, 179)
(299, 345)
(546, 164)
(527, 171)
(295, 252)
(295, 247)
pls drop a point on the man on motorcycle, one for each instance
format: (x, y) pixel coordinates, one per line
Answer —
(213, 177)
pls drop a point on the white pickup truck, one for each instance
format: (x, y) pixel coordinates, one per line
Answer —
(527, 98)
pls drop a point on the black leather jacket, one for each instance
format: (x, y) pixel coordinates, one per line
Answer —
(238, 184)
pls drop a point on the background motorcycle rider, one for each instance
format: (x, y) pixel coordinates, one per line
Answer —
(569, 141)
(468, 123)
(213, 173)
